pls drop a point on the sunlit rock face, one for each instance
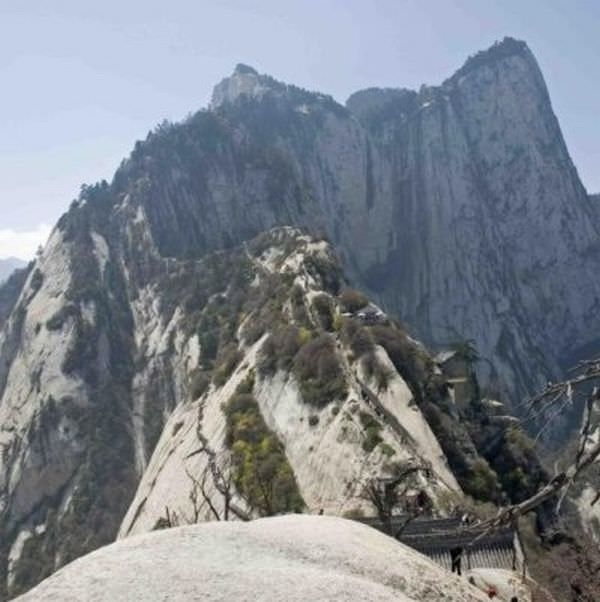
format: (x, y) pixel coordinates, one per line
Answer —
(245, 81)
(285, 558)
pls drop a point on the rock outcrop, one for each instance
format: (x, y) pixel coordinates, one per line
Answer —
(291, 558)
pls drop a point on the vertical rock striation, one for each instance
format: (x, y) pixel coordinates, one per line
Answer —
(493, 237)
(457, 206)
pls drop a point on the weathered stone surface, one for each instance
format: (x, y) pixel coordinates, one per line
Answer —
(293, 558)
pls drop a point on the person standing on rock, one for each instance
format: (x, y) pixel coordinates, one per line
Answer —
(456, 556)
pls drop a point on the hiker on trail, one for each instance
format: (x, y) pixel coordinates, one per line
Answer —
(456, 555)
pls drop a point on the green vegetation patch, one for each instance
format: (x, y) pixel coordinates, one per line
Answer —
(325, 271)
(352, 300)
(262, 473)
(35, 563)
(357, 337)
(380, 373)
(413, 364)
(299, 312)
(279, 350)
(228, 360)
(482, 481)
(319, 373)
(372, 429)
(387, 449)
(323, 307)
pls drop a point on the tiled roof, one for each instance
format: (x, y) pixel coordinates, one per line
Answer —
(439, 535)
(436, 537)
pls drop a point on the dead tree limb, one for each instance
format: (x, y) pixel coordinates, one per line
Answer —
(221, 473)
(588, 451)
(385, 496)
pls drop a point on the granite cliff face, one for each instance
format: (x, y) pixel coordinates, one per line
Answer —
(457, 207)
(167, 316)
(497, 241)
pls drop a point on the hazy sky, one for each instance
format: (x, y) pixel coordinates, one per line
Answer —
(82, 80)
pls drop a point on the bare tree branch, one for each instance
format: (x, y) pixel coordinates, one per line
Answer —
(587, 371)
(587, 452)
(385, 496)
(199, 486)
(221, 473)
(221, 476)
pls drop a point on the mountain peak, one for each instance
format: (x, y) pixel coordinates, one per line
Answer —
(402, 101)
(244, 81)
(9, 265)
(242, 68)
(499, 51)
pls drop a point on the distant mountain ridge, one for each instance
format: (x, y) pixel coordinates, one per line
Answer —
(9, 265)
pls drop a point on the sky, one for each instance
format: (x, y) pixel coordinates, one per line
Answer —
(81, 81)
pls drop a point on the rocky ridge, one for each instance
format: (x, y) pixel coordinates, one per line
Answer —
(283, 558)
(149, 375)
